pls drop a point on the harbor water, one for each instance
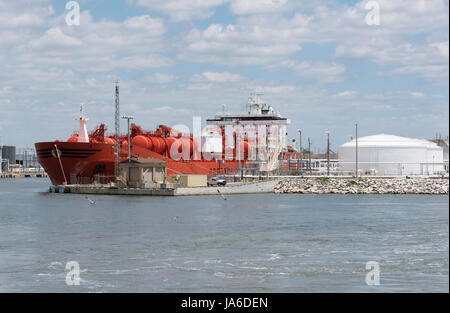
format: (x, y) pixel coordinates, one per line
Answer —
(246, 243)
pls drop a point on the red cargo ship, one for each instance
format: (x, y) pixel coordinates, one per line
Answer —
(74, 162)
(86, 158)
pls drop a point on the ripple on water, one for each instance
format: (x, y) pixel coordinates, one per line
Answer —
(253, 243)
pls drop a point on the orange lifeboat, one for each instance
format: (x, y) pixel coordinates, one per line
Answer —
(74, 138)
(110, 141)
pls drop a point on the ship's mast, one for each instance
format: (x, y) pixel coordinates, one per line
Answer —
(117, 124)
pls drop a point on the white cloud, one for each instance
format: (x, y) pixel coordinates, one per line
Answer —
(411, 16)
(316, 71)
(272, 39)
(257, 7)
(55, 37)
(435, 73)
(13, 16)
(159, 78)
(224, 77)
(48, 68)
(237, 44)
(280, 89)
(442, 47)
(139, 62)
(25, 20)
(398, 95)
(5, 90)
(327, 73)
(50, 64)
(145, 24)
(183, 10)
(96, 46)
(417, 94)
(346, 93)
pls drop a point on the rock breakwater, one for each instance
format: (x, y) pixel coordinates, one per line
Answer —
(363, 186)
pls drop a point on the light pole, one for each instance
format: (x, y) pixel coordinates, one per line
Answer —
(328, 153)
(309, 152)
(117, 129)
(238, 149)
(433, 166)
(24, 161)
(356, 150)
(128, 118)
(300, 147)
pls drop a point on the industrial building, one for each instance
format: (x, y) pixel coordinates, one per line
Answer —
(143, 173)
(8, 157)
(19, 162)
(391, 155)
(27, 158)
(318, 165)
(444, 143)
(14, 159)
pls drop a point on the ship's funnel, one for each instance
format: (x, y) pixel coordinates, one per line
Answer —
(82, 131)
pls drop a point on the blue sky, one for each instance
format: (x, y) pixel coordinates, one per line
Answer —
(318, 62)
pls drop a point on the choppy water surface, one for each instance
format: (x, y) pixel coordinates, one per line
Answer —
(248, 243)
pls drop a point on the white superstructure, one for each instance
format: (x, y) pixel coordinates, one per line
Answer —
(261, 126)
(392, 155)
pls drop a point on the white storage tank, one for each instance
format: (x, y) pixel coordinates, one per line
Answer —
(392, 155)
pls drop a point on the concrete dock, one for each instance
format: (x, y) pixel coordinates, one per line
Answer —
(280, 185)
(23, 174)
(239, 188)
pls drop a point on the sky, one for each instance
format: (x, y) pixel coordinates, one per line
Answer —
(325, 65)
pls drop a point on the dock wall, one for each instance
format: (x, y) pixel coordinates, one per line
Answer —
(242, 188)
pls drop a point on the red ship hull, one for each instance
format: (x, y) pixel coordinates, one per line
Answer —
(84, 163)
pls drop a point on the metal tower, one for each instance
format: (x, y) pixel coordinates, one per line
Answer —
(117, 124)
